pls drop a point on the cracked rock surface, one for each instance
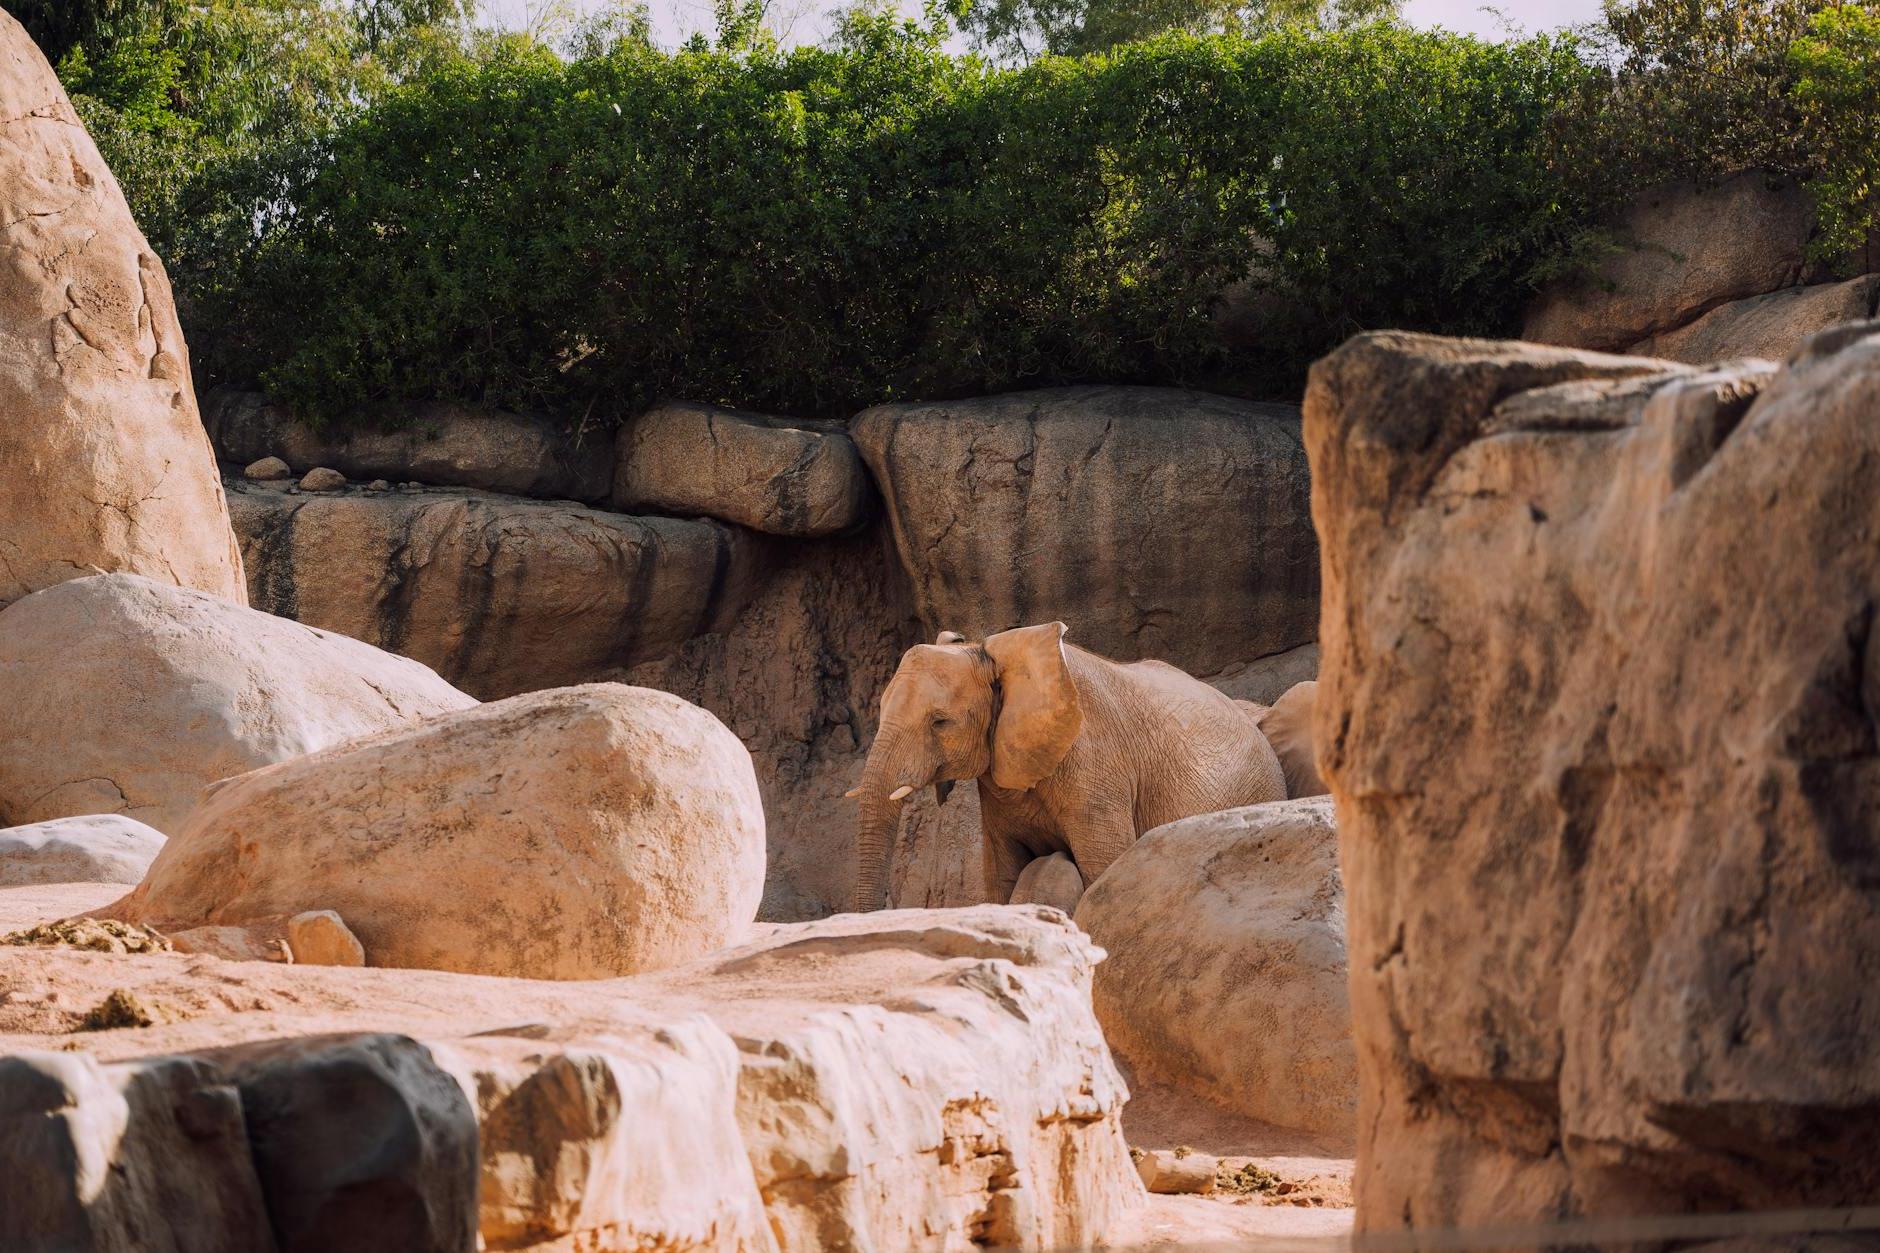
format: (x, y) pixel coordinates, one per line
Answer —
(127, 695)
(103, 460)
(915, 1080)
(1158, 523)
(1598, 706)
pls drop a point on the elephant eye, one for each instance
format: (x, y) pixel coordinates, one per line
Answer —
(941, 720)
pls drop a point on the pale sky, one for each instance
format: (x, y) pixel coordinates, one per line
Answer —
(803, 21)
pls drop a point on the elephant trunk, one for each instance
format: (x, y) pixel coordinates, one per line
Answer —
(882, 777)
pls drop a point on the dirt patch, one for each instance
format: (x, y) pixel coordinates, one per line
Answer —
(91, 934)
(119, 1009)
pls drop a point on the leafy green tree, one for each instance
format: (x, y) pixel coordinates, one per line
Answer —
(1021, 29)
(1694, 89)
(1837, 91)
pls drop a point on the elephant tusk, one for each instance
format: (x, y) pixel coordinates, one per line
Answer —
(905, 790)
(851, 794)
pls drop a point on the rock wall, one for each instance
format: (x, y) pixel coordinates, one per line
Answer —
(1598, 709)
(103, 463)
(444, 445)
(1159, 523)
(498, 594)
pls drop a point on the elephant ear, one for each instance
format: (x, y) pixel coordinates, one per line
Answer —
(1039, 715)
(1288, 728)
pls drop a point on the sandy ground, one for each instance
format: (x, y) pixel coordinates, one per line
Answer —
(202, 1002)
(1314, 1215)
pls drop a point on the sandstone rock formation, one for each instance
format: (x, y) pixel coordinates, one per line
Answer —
(445, 445)
(770, 474)
(498, 594)
(1162, 523)
(1682, 251)
(575, 833)
(909, 1080)
(1598, 710)
(98, 848)
(1773, 326)
(1226, 969)
(125, 695)
(103, 462)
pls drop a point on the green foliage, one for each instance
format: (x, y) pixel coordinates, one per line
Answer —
(1701, 89)
(366, 201)
(1019, 29)
(814, 231)
(1837, 92)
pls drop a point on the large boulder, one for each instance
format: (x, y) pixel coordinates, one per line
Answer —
(907, 1080)
(1680, 251)
(125, 695)
(103, 461)
(574, 833)
(96, 848)
(1161, 523)
(770, 474)
(1773, 326)
(1226, 968)
(1597, 707)
(447, 445)
(499, 594)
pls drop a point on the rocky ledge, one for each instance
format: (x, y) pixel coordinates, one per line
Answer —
(923, 1079)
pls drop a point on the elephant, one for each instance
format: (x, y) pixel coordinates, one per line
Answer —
(1287, 725)
(1073, 753)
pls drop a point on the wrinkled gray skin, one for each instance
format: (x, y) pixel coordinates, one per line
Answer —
(1073, 753)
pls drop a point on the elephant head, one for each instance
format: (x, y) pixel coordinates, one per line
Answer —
(1004, 708)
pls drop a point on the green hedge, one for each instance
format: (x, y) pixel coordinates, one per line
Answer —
(816, 231)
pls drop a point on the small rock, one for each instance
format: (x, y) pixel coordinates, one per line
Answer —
(268, 470)
(322, 479)
(1172, 1171)
(262, 942)
(412, 486)
(378, 485)
(321, 937)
